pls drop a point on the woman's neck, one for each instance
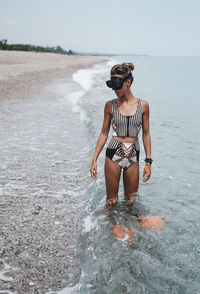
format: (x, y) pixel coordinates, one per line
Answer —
(127, 98)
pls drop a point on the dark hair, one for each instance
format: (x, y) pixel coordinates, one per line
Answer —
(123, 69)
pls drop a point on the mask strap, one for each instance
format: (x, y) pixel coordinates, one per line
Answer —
(128, 76)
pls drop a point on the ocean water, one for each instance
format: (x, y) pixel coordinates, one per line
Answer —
(159, 261)
(154, 261)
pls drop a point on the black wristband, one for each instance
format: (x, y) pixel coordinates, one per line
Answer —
(148, 160)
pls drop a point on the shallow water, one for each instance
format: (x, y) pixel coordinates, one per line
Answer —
(159, 261)
(50, 143)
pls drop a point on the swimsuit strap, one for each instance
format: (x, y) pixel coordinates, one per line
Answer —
(140, 106)
(114, 106)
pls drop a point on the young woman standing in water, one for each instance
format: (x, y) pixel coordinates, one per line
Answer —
(127, 114)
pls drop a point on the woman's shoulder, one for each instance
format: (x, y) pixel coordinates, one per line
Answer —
(108, 106)
(144, 105)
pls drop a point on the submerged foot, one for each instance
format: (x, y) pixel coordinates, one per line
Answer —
(120, 231)
(153, 222)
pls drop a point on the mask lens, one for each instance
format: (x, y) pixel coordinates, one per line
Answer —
(109, 84)
(115, 83)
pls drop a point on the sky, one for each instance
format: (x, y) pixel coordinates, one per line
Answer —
(152, 27)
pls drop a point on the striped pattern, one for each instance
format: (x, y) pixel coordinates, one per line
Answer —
(128, 126)
(113, 144)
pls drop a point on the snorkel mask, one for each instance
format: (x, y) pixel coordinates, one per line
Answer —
(116, 83)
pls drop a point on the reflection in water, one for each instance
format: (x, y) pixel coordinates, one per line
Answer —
(115, 247)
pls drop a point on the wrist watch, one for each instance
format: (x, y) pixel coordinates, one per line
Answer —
(148, 160)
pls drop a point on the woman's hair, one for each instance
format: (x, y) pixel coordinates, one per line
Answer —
(123, 69)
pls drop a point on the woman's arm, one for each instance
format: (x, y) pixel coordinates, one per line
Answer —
(146, 137)
(102, 137)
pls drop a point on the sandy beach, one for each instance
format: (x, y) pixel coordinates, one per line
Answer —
(39, 177)
(24, 73)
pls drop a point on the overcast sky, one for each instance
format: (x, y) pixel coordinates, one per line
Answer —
(154, 27)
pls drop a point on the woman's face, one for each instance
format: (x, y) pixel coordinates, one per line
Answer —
(124, 88)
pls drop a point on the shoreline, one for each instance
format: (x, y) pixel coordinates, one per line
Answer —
(40, 213)
(23, 74)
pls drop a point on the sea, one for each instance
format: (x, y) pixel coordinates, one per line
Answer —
(159, 259)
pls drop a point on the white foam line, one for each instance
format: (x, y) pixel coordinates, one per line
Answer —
(7, 269)
(74, 98)
(89, 223)
(3, 278)
(112, 62)
(85, 77)
(6, 292)
(67, 290)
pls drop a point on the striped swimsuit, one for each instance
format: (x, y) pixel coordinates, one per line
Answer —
(125, 154)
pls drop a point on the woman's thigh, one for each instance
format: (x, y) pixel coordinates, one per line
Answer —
(112, 177)
(131, 181)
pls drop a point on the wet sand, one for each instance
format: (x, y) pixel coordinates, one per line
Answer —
(38, 229)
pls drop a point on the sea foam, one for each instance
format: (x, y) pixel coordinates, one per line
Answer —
(85, 78)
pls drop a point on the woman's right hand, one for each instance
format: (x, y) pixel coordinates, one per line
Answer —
(93, 169)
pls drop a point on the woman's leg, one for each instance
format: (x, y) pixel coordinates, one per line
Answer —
(131, 181)
(112, 177)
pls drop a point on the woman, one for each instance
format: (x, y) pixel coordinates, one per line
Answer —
(127, 114)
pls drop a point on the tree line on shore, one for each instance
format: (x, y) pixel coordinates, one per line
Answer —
(28, 47)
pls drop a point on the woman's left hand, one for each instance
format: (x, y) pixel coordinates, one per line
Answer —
(146, 172)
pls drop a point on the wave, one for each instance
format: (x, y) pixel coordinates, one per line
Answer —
(85, 78)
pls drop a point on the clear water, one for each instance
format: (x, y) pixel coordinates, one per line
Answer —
(159, 261)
